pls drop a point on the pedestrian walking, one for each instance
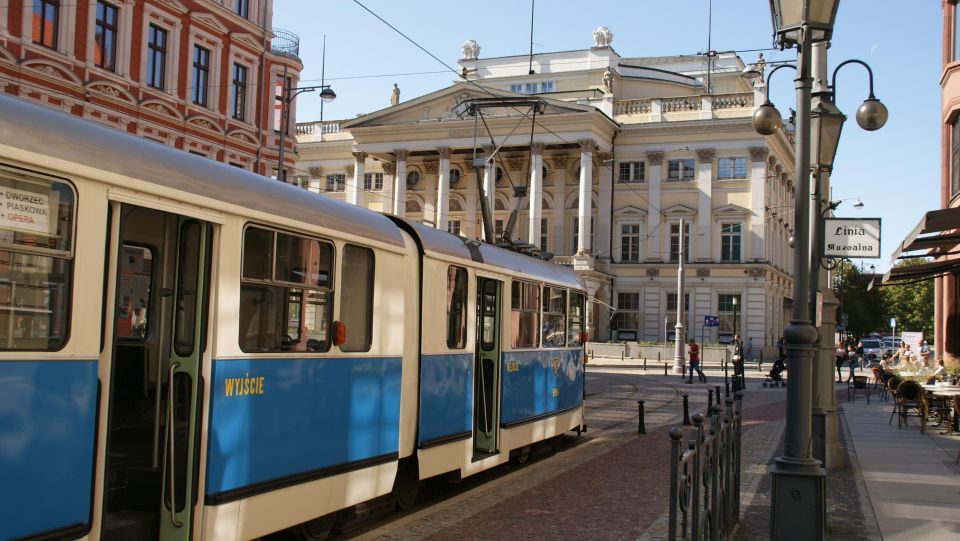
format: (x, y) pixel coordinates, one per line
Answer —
(694, 354)
(748, 351)
(860, 354)
(851, 361)
(841, 355)
(737, 355)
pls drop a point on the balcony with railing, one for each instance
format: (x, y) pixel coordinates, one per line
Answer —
(285, 43)
(677, 108)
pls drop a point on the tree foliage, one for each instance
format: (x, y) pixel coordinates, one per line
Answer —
(911, 304)
(864, 308)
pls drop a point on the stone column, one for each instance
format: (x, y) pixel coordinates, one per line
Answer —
(400, 184)
(604, 205)
(654, 162)
(705, 207)
(430, 193)
(470, 228)
(586, 183)
(443, 189)
(536, 194)
(490, 182)
(355, 193)
(758, 189)
(558, 241)
(389, 181)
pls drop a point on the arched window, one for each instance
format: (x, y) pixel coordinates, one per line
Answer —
(413, 178)
(455, 206)
(499, 176)
(454, 178)
(413, 206)
(498, 205)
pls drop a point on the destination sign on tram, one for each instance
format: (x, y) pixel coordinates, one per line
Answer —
(851, 237)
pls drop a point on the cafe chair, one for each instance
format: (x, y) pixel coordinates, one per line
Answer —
(910, 398)
(858, 383)
(892, 383)
(878, 381)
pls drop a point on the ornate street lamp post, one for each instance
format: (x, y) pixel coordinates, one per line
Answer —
(798, 503)
(289, 94)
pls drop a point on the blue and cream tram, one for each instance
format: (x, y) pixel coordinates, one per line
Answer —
(191, 351)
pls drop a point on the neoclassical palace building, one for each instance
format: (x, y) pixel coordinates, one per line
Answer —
(197, 75)
(623, 150)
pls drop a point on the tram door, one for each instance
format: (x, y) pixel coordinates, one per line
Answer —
(486, 392)
(155, 393)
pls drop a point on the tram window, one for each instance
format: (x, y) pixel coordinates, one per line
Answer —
(554, 316)
(575, 319)
(36, 262)
(285, 300)
(133, 304)
(356, 298)
(188, 281)
(525, 314)
(456, 307)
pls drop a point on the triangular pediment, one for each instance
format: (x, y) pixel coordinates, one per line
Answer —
(445, 104)
(247, 39)
(679, 211)
(210, 21)
(630, 212)
(730, 211)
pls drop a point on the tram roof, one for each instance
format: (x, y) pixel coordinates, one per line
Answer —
(49, 132)
(448, 244)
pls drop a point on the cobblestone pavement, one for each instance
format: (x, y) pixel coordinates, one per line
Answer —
(614, 485)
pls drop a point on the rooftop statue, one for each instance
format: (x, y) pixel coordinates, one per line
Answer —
(469, 50)
(602, 37)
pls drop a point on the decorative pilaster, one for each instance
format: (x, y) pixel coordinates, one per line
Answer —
(758, 193)
(443, 189)
(586, 182)
(536, 194)
(400, 184)
(655, 161)
(604, 205)
(355, 192)
(704, 208)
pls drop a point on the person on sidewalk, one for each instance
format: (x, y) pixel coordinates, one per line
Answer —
(841, 355)
(851, 361)
(694, 354)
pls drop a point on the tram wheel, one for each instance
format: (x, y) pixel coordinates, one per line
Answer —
(522, 456)
(317, 529)
(407, 484)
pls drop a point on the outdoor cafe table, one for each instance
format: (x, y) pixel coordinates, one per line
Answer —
(946, 391)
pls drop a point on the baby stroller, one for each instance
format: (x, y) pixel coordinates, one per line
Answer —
(775, 376)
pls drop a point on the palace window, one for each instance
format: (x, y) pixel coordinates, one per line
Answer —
(544, 223)
(238, 90)
(630, 243)
(373, 181)
(453, 226)
(725, 304)
(105, 36)
(156, 56)
(731, 168)
(675, 242)
(680, 169)
(730, 239)
(335, 183)
(201, 75)
(627, 317)
(413, 179)
(632, 172)
(243, 8)
(46, 22)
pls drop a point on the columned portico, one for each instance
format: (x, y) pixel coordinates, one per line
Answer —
(355, 194)
(443, 189)
(400, 184)
(536, 194)
(586, 181)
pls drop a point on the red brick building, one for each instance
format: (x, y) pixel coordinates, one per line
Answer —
(198, 75)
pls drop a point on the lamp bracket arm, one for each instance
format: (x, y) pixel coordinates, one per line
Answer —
(766, 91)
(833, 78)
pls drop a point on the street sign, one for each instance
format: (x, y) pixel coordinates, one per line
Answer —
(893, 322)
(711, 321)
(851, 237)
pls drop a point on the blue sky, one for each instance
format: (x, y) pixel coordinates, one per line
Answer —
(894, 170)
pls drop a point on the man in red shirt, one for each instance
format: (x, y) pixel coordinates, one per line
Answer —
(694, 354)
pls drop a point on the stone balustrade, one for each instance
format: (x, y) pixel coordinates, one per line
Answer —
(318, 128)
(682, 107)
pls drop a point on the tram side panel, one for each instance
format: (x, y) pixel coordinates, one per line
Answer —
(298, 434)
(51, 271)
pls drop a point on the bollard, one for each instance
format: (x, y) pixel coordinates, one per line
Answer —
(718, 395)
(664, 369)
(644, 364)
(641, 428)
(709, 398)
(727, 384)
(686, 410)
